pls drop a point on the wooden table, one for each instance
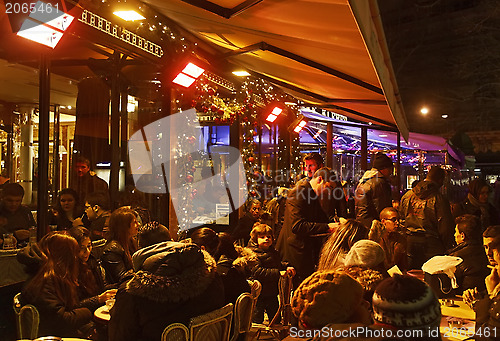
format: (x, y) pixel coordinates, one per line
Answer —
(102, 314)
(458, 320)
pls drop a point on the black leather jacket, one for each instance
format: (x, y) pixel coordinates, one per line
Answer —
(114, 263)
(373, 194)
(473, 270)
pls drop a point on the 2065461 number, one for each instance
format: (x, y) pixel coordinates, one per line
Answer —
(27, 7)
(487, 332)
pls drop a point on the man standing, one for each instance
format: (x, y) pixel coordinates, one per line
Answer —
(304, 221)
(86, 181)
(334, 204)
(428, 219)
(373, 193)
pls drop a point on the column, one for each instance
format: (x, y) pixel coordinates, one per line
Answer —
(26, 151)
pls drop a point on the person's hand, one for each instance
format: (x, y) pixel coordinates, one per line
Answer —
(22, 234)
(77, 222)
(107, 295)
(332, 227)
(290, 271)
(492, 280)
(470, 295)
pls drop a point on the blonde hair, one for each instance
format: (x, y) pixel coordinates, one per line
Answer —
(260, 230)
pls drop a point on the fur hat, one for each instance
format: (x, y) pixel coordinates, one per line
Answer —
(326, 297)
(381, 161)
(365, 253)
(406, 302)
(171, 272)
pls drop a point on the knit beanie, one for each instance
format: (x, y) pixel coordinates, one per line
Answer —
(326, 297)
(365, 253)
(406, 302)
(381, 161)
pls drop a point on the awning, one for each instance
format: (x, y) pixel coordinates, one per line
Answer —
(330, 53)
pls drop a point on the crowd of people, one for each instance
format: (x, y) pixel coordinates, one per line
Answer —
(338, 258)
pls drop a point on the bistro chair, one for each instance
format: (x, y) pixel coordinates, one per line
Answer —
(279, 330)
(212, 326)
(27, 319)
(175, 332)
(243, 311)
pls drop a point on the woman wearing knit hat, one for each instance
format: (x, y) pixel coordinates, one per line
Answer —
(407, 303)
(328, 297)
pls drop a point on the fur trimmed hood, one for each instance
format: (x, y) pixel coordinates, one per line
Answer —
(171, 272)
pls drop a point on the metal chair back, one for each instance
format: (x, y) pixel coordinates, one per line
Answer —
(212, 326)
(175, 332)
(27, 319)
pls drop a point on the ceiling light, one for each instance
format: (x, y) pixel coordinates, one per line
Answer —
(70, 107)
(424, 111)
(188, 75)
(298, 124)
(129, 15)
(383, 135)
(274, 114)
(241, 73)
(444, 116)
(38, 28)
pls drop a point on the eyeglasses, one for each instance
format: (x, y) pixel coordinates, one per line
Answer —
(393, 219)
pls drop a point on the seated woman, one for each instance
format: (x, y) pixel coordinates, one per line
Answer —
(54, 290)
(66, 210)
(339, 243)
(173, 282)
(233, 266)
(117, 252)
(91, 287)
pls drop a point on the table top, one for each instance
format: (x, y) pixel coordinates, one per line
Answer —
(102, 314)
(458, 320)
(458, 309)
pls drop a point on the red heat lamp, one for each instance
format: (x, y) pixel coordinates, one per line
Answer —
(298, 124)
(274, 114)
(188, 75)
(45, 25)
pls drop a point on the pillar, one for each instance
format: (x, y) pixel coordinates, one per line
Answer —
(26, 151)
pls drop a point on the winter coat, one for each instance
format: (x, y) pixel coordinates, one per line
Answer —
(304, 218)
(427, 212)
(113, 261)
(234, 273)
(173, 282)
(372, 195)
(55, 317)
(473, 270)
(267, 270)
